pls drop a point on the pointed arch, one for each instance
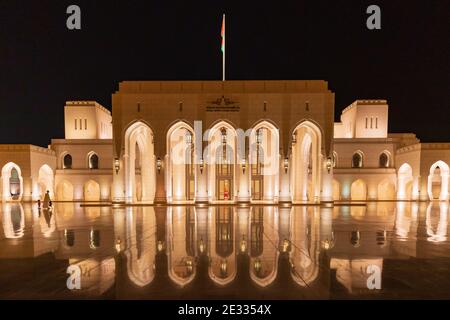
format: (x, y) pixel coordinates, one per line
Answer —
(45, 181)
(139, 146)
(438, 181)
(386, 190)
(358, 190)
(181, 173)
(264, 146)
(64, 191)
(405, 182)
(221, 159)
(12, 182)
(91, 191)
(307, 159)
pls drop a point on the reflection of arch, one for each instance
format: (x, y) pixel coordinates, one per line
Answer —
(222, 269)
(358, 159)
(304, 255)
(405, 182)
(13, 220)
(336, 190)
(12, 182)
(264, 161)
(64, 191)
(91, 191)
(358, 191)
(45, 181)
(92, 160)
(180, 173)
(386, 190)
(140, 170)
(438, 181)
(221, 160)
(141, 245)
(306, 159)
(440, 235)
(180, 258)
(264, 262)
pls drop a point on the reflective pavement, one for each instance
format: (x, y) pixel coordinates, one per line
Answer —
(382, 250)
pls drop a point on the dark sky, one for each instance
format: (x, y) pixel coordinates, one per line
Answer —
(42, 64)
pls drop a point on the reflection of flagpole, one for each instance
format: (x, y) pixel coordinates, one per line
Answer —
(223, 47)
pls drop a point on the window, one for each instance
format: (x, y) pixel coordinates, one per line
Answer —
(75, 124)
(367, 120)
(67, 162)
(81, 124)
(93, 161)
(85, 124)
(371, 122)
(376, 123)
(384, 160)
(357, 160)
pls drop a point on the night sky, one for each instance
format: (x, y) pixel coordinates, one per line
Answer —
(43, 64)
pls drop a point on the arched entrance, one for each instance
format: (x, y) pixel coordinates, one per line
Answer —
(405, 182)
(64, 191)
(91, 191)
(45, 182)
(438, 181)
(221, 160)
(140, 165)
(306, 159)
(264, 161)
(386, 190)
(358, 191)
(12, 182)
(181, 163)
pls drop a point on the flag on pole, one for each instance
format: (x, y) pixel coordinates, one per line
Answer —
(222, 33)
(222, 47)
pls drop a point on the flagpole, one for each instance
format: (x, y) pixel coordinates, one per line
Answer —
(224, 48)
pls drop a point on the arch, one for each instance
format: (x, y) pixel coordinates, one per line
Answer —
(436, 222)
(358, 159)
(13, 220)
(264, 161)
(358, 190)
(139, 150)
(438, 181)
(181, 173)
(67, 161)
(140, 244)
(91, 191)
(263, 255)
(384, 160)
(405, 182)
(92, 160)
(45, 181)
(307, 158)
(181, 261)
(64, 191)
(386, 190)
(12, 182)
(221, 159)
(336, 190)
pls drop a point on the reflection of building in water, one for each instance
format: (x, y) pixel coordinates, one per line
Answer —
(222, 268)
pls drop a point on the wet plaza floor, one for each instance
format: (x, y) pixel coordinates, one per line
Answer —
(380, 250)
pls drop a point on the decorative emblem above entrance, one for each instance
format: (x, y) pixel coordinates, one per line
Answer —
(222, 105)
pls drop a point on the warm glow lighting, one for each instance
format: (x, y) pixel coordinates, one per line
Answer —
(117, 165)
(158, 165)
(329, 164)
(286, 165)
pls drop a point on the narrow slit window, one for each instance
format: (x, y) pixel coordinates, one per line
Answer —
(376, 123)
(75, 124)
(367, 120)
(85, 124)
(371, 123)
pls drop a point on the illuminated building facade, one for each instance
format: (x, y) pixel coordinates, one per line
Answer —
(262, 142)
